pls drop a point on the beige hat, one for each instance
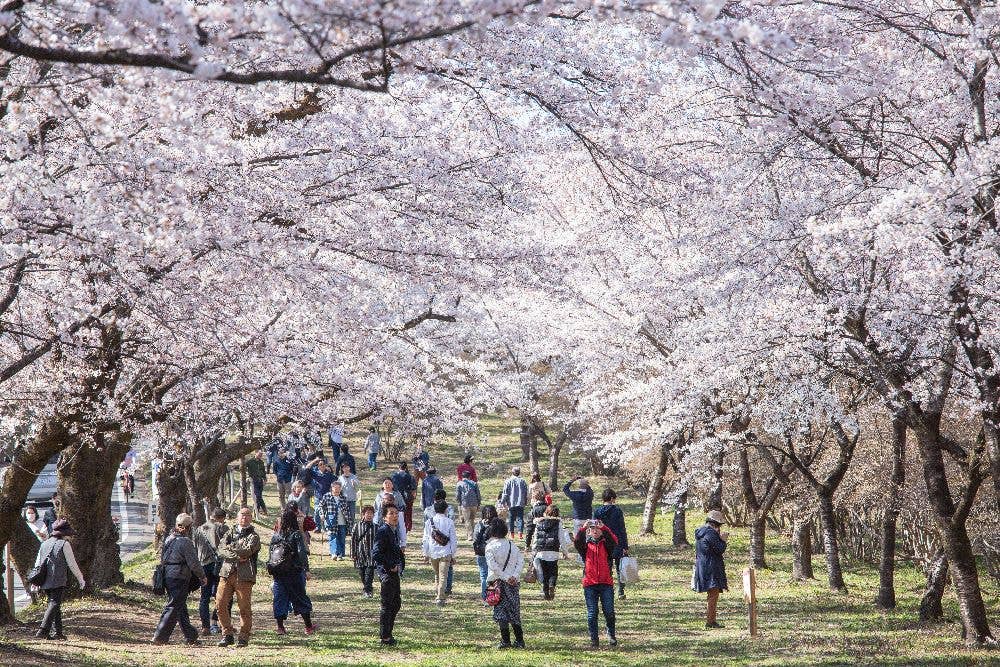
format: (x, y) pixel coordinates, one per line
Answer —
(716, 516)
(183, 520)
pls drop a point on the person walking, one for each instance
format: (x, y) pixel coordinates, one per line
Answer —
(305, 478)
(57, 554)
(480, 536)
(288, 563)
(469, 500)
(336, 436)
(596, 543)
(421, 462)
(351, 487)
(179, 558)
(583, 502)
(538, 508)
(709, 568)
(552, 542)
(362, 540)
(504, 562)
(537, 485)
(611, 516)
(337, 518)
(373, 445)
(466, 466)
(284, 470)
(389, 563)
(389, 499)
(430, 484)
(439, 545)
(257, 472)
(515, 497)
(207, 538)
(299, 497)
(345, 458)
(322, 479)
(237, 577)
(406, 485)
(397, 498)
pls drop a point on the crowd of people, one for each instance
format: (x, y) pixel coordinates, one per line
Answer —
(518, 539)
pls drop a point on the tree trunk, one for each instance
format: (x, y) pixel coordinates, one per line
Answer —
(525, 440)
(886, 598)
(194, 499)
(831, 548)
(758, 528)
(802, 550)
(86, 484)
(680, 522)
(533, 454)
(172, 497)
(554, 451)
(655, 492)
(937, 578)
(715, 495)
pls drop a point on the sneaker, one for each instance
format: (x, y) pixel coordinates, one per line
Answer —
(312, 629)
(503, 645)
(241, 643)
(594, 643)
(41, 634)
(280, 630)
(227, 640)
(58, 637)
(388, 642)
(206, 632)
(714, 624)
(621, 595)
(612, 642)
(518, 644)
(216, 629)
(192, 642)
(155, 642)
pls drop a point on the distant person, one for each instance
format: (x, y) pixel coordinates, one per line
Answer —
(305, 477)
(373, 445)
(336, 435)
(466, 467)
(505, 562)
(322, 480)
(237, 577)
(421, 462)
(611, 516)
(537, 511)
(346, 458)
(284, 471)
(126, 480)
(552, 543)
(60, 561)
(257, 472)
(480, 536)
(595, 543)
(299, 497)
(440, 545)
(36, 524)
(207, 538)
(469, 499)
(515, 496)
(351, 486)
(387, 499)
(397, 498)
(537, 485)
(362, 541)
(180, 562)
(52, 513)
(337, 518)
(389, 562)
(709, 568)
(428, 486)
(406, 484)
(583, 502)
(288, 563)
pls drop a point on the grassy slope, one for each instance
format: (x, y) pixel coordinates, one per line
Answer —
(660, 623)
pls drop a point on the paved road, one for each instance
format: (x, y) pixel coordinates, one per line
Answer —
(136, 532)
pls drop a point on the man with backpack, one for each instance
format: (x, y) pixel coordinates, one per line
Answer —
(515, 497)
(237, 577)
(469, 499)
(207, 538)
(429, 486)
(440, 544)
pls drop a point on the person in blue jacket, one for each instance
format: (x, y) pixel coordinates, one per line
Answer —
(430, 484)
(611, 516)
(345, 457)
(709, 569)
(583, 502)
(284, 470)
(389, 563)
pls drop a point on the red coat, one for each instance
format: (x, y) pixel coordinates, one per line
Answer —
(596, 556)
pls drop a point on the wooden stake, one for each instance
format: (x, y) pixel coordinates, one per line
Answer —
(750, 596)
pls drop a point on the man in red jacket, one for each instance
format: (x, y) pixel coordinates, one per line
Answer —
(596, 543)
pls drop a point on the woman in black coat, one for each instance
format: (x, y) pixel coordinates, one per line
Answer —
(709, 568)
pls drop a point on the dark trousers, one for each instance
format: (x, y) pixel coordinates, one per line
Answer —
(176, 612)
(291, 589)
(408, 515)
(617, 562)
(548, 573)
(53, 613)
(518, 514)
(605, 594)
(391, 602)
(367, 576)
(208, 592)
(258, 493)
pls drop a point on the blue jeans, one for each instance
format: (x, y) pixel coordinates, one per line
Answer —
(372, 463)
(208, 594)
(451, 578)
(337, 537)
(484, 570)
(290, 592)
(518, 514)
(605, 593)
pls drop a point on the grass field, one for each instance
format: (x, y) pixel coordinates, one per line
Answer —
(661, 622)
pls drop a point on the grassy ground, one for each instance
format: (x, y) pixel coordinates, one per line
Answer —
(661, 623)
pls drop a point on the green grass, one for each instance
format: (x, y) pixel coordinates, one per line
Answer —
(661, 623)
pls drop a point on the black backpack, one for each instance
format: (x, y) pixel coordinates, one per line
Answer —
(282, 557)
(480, 538)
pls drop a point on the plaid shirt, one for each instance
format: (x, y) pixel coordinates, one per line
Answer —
(331, 505)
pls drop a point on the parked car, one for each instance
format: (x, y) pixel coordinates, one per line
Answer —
(45, 484)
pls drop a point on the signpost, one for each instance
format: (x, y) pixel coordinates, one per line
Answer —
(750, 595)
(9, 578)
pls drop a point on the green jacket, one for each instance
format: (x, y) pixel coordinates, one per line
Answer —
(255, 468)
(238, 551)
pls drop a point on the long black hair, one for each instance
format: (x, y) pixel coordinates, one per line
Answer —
(289, 518)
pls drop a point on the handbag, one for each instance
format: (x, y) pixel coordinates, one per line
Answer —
(628, 570)
(159, 580)
(38, 574)
(493, 594)
(438, 536)
(530, 576)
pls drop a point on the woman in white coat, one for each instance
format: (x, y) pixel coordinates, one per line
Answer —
(505, 562)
